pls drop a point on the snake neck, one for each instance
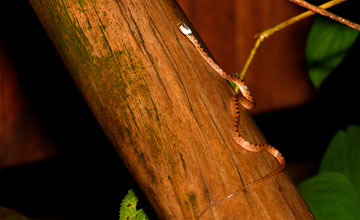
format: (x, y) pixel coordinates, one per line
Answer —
(247, 101)
(208, 59)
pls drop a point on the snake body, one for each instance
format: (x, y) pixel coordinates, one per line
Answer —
(245, 99)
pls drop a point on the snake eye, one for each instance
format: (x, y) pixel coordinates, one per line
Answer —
(184, 28)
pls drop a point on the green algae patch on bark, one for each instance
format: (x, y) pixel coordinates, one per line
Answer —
(94, 44)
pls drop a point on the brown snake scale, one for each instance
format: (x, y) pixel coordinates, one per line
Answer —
(245, 99)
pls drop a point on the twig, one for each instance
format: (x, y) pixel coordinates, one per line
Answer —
(326, 13)
(265, 34)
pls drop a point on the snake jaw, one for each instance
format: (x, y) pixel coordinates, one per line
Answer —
(184, 29)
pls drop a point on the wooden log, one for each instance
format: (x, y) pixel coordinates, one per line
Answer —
(165, 110)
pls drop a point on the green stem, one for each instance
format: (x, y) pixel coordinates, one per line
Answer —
(265, 34)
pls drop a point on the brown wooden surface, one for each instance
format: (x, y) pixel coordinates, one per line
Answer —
(165, 110)
(21, 139)
(277, 77)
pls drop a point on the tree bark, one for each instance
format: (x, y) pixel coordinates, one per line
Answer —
(165, 110)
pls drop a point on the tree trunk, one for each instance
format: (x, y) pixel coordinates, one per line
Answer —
(165, 110)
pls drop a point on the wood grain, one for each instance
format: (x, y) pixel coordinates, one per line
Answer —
(165, 110)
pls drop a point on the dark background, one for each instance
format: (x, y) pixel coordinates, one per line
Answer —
(86, 179)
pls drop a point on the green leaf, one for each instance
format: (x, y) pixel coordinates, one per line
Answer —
(335, 192)
(343, 155)
(142, 215)
(331, 196)
(327, 45)
(128, 208)
(233, 85)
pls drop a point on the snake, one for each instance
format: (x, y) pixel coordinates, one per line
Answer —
(245, 99)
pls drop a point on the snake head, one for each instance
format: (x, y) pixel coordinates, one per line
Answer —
(184, 28)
